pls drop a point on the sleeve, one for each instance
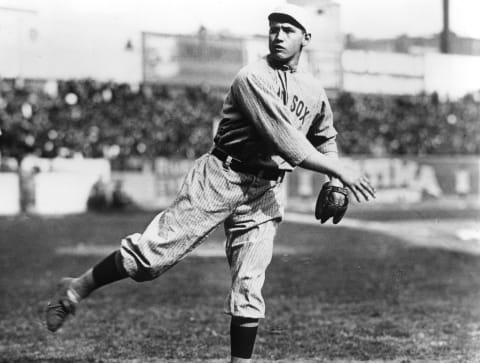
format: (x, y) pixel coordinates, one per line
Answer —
(322, 133)
(257, 100)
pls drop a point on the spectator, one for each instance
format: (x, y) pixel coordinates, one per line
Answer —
(123, 123)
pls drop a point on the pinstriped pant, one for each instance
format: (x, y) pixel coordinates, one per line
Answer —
(250, 209)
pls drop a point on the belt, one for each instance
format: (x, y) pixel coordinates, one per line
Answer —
(239, 166)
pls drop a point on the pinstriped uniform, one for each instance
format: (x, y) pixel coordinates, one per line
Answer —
(248, 206)
(272, 120)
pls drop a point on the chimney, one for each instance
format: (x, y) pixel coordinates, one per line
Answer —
(445, 35)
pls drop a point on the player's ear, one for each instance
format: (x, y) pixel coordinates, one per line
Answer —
(306, 39)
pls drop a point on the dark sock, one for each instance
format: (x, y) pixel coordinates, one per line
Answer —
(243, 332)
(109, 270)
(106, 271)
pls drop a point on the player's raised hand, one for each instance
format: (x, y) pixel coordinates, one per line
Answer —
(358, 183)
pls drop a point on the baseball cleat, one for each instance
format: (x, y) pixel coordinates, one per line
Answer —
(63, 305)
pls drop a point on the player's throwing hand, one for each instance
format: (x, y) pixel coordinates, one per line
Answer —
(359, 185)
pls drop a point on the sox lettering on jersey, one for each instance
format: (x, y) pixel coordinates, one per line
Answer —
(297, 106)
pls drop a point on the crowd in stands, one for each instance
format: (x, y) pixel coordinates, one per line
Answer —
(125, 122)
(418, 125)
(116, 121)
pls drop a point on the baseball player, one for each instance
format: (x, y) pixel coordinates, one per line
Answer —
(275, 117)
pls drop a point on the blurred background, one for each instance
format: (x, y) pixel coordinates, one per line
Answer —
(106, 104)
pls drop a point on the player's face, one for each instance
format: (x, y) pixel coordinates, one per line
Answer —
(286, 41)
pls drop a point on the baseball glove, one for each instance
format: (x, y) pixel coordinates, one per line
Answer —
(331, 202)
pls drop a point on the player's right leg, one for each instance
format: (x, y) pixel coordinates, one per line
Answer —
(207, 197)
(71, 290)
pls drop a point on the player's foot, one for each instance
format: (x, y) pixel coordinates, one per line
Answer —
(63, 304)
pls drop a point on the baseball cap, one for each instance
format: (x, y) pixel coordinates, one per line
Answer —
(296, 13)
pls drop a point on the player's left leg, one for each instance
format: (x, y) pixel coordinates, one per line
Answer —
(243, 332)
(250, 232)
(249, 253)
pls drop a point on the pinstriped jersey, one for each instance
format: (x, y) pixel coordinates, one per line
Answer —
(274, 117)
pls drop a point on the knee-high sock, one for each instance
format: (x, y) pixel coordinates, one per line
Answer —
(108, 270)
(243, 332)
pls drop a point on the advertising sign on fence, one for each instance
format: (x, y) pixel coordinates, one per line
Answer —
(407, 179)
(398, 180)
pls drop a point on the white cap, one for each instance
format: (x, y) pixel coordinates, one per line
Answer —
(296, 13)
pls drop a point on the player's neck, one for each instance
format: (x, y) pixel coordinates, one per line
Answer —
(286, 65)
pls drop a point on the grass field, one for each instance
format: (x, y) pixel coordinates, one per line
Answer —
(333, 295)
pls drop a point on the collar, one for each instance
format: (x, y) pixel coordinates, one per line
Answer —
(281, 66)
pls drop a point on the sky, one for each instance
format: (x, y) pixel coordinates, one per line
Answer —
(380, 18)
(363, 18)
